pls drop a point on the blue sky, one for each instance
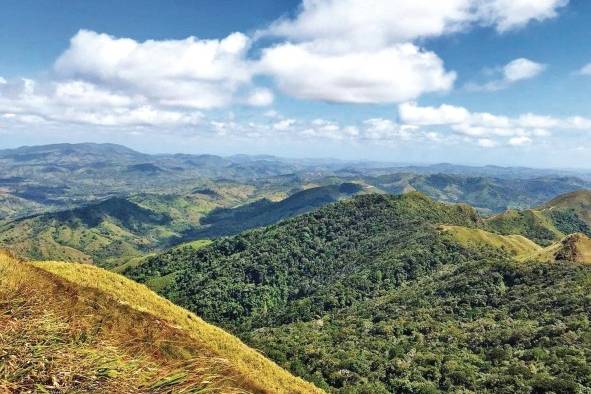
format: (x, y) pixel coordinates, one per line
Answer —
(498, 82)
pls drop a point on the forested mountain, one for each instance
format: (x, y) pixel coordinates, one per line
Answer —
(74, 328)
(229, 221)
(377, 294)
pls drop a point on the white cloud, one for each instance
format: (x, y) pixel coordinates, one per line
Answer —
(537, 121)
(511, 14)
(3, 81)
(393, 74)
(191, 73)
(520, 140)
(444, 114)
(377, 23)
(520, 69)
(486, 128)
(260, 98)
(284, 124)
(516, 70)
(77, 102)
(366, 51)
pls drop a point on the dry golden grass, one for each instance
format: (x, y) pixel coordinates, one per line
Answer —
(516, 245)
(76, 328)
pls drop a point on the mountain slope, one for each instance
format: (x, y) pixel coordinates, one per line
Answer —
(230, 221)
(515, 245)
(566, 214)
(310, 264)
(77, 328)
(383, 293)
(489, 326)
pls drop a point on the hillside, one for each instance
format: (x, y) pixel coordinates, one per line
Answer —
(384, 293)
(116, 230)
(310, 264)
(578, 202)
(566, 214)
(230, 221)
(76, 328)
(489, 326)
(516, 245)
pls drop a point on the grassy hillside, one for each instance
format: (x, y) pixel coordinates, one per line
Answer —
(516, 245)
(77, 328)
(566, 214)
(574, 247)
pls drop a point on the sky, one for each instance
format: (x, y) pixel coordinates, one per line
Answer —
(504, 82)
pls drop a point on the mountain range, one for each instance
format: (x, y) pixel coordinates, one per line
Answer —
(128, 272)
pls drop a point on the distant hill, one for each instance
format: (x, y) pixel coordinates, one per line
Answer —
(489, 194)
(44, 178)
(77, 328)
(107, 232)
(230, 221)
(566, 214)
(113, 231)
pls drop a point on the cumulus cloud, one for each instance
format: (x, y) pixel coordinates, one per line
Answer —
(517, 70)
(377, 23)
(510, 14)
(78, 102)
(522, 68)
(392, 74)
(260, 98)
(192, 73)
(366, 51)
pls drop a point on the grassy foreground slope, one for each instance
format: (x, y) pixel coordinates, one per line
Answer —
(77, 328)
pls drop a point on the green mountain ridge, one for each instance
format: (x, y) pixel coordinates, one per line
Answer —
(115, 230)
(368, 295)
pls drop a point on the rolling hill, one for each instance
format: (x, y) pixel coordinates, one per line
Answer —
(490, 194)
(77, 328)
(113, 231)
(310, 264)
(384, 293)
(564, 215)
(230, 221)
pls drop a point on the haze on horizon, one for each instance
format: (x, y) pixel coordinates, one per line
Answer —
(464, 81)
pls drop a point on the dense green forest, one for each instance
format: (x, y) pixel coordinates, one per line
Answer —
(368, 296)
(311, 264)
(489, 325)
